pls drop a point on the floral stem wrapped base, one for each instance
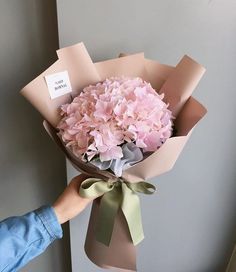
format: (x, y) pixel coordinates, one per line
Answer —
(116, 125)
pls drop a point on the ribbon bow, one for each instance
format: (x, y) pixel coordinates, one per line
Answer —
(117, 194)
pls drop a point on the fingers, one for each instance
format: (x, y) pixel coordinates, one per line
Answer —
(79, 179)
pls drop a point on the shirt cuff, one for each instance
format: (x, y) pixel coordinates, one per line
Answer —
(49, 219)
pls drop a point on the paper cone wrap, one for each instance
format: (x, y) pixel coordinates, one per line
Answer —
(177, 83)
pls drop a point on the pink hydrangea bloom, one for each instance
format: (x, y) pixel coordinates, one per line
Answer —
(116, 111)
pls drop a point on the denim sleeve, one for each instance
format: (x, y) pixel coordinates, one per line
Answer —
(25, 237)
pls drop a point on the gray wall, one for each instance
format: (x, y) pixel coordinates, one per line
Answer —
(32, 170)
(190, 226)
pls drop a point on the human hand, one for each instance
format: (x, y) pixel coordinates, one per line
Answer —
(70, 203)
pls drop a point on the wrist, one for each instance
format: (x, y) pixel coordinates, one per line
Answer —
(60, 214)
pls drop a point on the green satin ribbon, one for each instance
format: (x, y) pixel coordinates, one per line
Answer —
(115, 195)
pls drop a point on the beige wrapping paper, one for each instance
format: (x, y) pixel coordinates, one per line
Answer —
(177, 83)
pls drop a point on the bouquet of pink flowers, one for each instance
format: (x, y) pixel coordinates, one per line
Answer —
(122, 122)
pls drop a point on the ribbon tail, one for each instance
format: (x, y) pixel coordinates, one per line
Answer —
(109, 206)
(132, 212)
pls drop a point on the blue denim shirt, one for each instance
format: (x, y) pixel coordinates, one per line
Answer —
(24, 237)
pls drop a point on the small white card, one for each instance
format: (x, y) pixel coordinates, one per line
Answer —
(58, 84)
